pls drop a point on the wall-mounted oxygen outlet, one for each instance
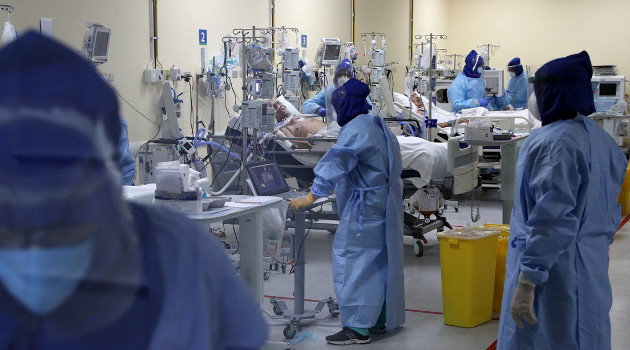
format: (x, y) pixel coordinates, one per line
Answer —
(154, 75)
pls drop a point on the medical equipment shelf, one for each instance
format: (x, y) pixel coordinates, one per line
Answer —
(509, 153)
(298, 313)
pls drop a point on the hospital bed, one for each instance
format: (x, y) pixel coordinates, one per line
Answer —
(450, 167)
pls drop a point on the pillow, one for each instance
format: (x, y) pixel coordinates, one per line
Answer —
(288, 105)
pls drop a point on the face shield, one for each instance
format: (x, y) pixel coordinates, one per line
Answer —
(65, 230)
(59, 191)
(532, 104)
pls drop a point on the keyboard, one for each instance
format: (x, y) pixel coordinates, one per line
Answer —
(287, 196)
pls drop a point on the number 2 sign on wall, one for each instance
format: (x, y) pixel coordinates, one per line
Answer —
(203, 37)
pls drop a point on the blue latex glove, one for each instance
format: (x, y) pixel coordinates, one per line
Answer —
(483, 102)
(321, 111)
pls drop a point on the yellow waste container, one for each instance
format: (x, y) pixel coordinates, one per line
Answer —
(499, 271)
(624, 196)
(468, 258)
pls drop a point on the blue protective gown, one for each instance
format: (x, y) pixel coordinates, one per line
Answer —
(517, 87)
(367, 250)
(569, 174)
(127, 162)
(181, 292)
(465, 92)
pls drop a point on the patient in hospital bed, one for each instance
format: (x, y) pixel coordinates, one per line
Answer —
(427, 158)
(296, 127)
(301, 126)
(417, 102)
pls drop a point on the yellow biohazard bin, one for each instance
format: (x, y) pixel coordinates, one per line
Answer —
(624, 196)
(468, 258)
(499, 271)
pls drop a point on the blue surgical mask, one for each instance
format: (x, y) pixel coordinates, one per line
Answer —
(480, 69)
(43, 278)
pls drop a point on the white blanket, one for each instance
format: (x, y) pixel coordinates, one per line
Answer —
(522, 118)
(427, 158)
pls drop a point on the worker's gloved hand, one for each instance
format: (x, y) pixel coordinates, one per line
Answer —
(301, 203)
(483, 102)
(321, 111)
(522, 306)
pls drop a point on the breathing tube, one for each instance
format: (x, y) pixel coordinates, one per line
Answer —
(201, 134)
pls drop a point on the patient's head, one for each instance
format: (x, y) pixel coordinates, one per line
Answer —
(417, 100)
(281, 111)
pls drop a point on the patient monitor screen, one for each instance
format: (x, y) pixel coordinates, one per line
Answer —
(100, 43)
(331, 54)
(608, 89)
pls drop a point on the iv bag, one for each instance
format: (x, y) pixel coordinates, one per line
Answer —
(424, 63)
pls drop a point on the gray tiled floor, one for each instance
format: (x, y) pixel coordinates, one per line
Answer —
(424, 327)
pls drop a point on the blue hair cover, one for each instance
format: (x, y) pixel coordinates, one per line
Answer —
(40, 73)
(349, 100)
(515, 63)
(563, 88)
(473, 61)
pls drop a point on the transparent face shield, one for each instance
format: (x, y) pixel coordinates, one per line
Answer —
(531, 96)
(331, 114)
(64, 226)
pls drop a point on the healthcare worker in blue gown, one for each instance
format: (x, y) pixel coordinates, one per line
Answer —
(320, 103)
(468, 90)
(557, 293)
(81, 268)
(364, 168)
(127, 162)
(517, 85)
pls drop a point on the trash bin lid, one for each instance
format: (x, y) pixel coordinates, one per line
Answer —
(505, 229)
(469, 233)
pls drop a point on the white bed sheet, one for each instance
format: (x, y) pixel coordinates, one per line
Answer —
(444, 116)
(427, 158)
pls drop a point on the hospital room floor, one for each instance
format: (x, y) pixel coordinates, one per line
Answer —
(424, 327)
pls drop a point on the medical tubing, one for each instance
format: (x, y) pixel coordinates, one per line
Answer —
(237, 173)
(409, 126)
(220, 192)
(196, 143)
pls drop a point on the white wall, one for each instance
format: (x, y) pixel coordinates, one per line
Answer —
(536, 30)
(540, 30)
(391, 18)
(130, 45)
(316, 20)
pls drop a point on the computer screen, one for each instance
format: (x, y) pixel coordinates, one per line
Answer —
(331, 53)
(267, 179)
